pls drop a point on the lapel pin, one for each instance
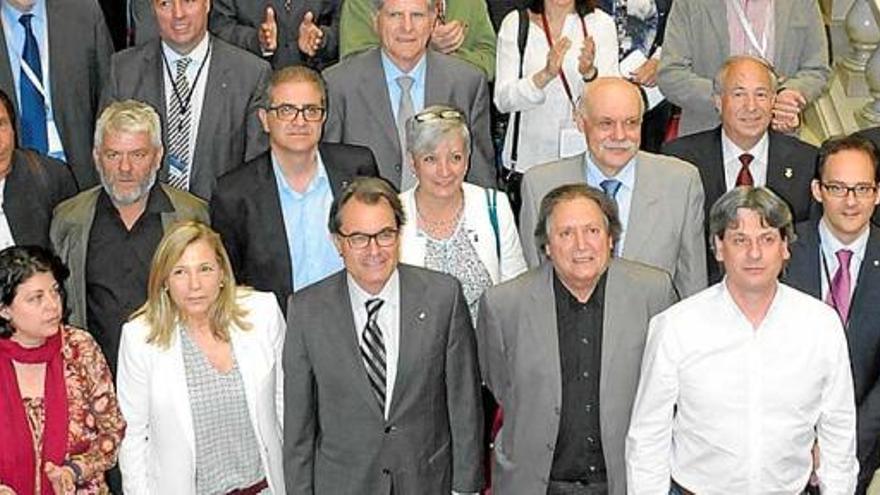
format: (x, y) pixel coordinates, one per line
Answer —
(422, 313)
(789, 173)
(876, 262)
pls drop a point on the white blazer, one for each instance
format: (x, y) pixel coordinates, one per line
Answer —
(157, 455)
(479, 229)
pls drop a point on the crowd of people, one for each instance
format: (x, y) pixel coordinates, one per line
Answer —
(429, 247)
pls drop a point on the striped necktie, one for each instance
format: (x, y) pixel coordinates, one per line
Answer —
(179, 125)
(30, 84)
(373, 351)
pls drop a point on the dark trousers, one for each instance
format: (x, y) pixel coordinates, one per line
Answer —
(576, 488)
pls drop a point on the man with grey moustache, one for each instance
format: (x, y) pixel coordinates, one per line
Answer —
(659, 198)
(107, 234)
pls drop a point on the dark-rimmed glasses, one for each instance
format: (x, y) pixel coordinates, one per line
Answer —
(359, 240)
(287, 112)
(838, 190)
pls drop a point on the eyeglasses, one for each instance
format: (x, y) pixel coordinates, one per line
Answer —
(439, 115)
(841, 190)
(287, 112)
(358, 240)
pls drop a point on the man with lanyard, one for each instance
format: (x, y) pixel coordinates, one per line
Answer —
(837, 259)
(787, 33)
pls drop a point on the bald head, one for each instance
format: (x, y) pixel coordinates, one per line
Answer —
(610, 117)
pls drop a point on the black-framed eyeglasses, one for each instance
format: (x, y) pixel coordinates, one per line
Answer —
(287, 112)
(359, 240)
(448, 114)
(842, 190)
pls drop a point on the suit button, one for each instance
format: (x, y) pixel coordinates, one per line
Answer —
(550, 447)
(390, 428)
(386, 471)
(557, 411)
(397, 167)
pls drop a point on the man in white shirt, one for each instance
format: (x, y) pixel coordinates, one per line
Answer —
(741, 380)
(842, 251)
(382, 387)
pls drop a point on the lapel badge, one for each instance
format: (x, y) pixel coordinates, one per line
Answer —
(876, 262)
(422, 313)
(788, 173)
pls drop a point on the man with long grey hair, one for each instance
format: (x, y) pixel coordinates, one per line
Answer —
(740, 381)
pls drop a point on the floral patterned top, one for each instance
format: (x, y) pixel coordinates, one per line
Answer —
(96, 425)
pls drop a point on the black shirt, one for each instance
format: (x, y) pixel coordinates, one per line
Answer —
(118, 267)
(578, 454)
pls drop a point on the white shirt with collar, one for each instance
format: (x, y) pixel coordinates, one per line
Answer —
(828, 247)
(730, 153)
(200, 56)
(627, 178)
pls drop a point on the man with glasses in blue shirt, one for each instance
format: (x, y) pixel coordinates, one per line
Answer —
(272, 211)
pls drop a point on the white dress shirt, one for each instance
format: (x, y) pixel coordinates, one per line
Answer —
(730, 153)
(723, 407)
(828, 247)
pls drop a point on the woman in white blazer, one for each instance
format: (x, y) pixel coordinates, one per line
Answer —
(452, 226)
(200, 379)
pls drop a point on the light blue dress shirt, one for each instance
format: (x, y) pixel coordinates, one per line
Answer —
(14, 34)
(417, 91)
(627, 178)
(312, 254)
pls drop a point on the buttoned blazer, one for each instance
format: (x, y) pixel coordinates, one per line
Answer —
(246, 212)
(518, 342)
(360, 111)
(72, 225)
(157, 455)
(697, 41)
(336, 439)
(34, 186)
(79, 63)
(229, 131)
(804, 272)
(479, 229)
(791, 165)
(665, 227)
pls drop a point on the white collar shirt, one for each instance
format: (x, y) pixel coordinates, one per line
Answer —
(723, 407)
(828, 248)
(730, 153)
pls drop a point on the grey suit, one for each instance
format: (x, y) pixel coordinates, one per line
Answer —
(79, 61)
(72, 224)
(519, 358)
(336, 439)
(229, 131)
(697, 42)
(360, 110)
(665, 226)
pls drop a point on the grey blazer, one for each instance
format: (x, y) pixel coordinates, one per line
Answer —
(336, 439)
(229, 133)
(697, 42)
(665, 227)
(79, 62)
(360, 110)
(518, 347)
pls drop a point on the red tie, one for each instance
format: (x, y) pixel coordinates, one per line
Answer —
(744, 177)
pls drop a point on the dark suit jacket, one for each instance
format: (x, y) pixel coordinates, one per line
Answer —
(246, 211)
(229, 130)
(360, 110)
(791, 165)
(237, 22)
(804, 272)
(34, 186)
(872, 133)
(336, 439)
(79, 62)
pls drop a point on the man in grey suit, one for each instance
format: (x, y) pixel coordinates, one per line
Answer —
(702, 34)
(659, 198)
(561, 347)
(207, 92)
(382, 390)
(78, 51)
(373, 93)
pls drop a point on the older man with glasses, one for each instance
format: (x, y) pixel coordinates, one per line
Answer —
(272, 211)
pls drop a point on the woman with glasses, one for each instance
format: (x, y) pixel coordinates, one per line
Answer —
(200, 378)
(455, 227)
(60, 424)
(567, 44)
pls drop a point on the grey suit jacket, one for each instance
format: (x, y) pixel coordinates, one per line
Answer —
(360, 110)
(518, 346)
(229, 131)
(72, 224)
(665, 227)
(697, 42)
(336, 439)
(79, 62)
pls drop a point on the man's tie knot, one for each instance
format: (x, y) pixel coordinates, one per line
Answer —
(611, 186)
(182, 65)
(25, 20)
(746, 159)
(843, 257)
(373, 306)
(744, 178)
(405, 82)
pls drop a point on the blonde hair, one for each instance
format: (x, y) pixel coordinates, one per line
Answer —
(160, 312)
(129, 116)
